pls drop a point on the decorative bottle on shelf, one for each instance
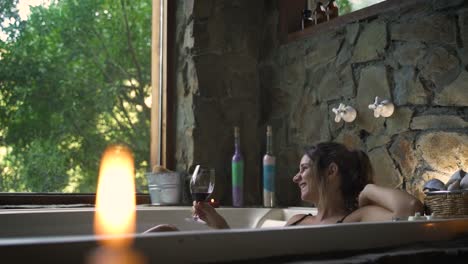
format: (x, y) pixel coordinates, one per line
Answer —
(306, 20)
(319, 15)
(332, 9)
(269, 172)
(237, 165)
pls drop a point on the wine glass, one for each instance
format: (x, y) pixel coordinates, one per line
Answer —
(202, 185)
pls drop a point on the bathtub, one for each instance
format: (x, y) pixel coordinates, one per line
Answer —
(79, 221)
(65, 235)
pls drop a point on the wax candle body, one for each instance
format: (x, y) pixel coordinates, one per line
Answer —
(108, 255)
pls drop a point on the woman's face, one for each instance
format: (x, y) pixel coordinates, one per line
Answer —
(306, 180)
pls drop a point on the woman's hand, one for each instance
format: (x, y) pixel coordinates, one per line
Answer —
(208, 214)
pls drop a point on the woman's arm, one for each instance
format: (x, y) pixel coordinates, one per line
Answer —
(380, 203)
(208, 214)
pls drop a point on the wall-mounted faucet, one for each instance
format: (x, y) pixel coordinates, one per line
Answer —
(384, 108)
(347, 113)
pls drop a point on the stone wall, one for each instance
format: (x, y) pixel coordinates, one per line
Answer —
(415, 57)
(218, 44)
(233, 71)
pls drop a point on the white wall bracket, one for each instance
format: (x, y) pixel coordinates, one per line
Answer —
(384, 108)
(347, 113)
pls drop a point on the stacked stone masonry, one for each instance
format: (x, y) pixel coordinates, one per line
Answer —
(237, 73)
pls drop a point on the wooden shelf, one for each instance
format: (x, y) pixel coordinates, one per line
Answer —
(289, 32)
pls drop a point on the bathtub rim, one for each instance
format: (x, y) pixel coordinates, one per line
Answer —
(234, 246)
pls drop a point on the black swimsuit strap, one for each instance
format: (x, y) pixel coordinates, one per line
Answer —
(304, 217)
(342, 219)
(300, 219)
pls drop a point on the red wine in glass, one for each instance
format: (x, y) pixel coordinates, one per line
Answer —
(202, 185)
(200, 196)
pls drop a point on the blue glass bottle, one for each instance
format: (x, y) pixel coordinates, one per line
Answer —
(269, 171)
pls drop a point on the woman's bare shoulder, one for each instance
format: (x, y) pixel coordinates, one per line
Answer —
(297, 217)
(294, 218)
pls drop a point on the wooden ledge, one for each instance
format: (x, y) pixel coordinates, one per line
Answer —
(358, 15)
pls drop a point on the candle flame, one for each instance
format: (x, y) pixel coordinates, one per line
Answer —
(212, 200)
(115, 196)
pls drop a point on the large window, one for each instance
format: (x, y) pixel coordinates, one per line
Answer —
(75, 76)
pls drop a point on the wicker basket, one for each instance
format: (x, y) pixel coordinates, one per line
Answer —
(447, 204)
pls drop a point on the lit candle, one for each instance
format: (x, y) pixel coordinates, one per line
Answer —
(115, 212)
(214, 203)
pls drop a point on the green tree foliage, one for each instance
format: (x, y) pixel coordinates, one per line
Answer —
(344, 6)
(73, 79)
(9, 17)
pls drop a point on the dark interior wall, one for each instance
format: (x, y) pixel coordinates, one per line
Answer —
(232, 70)
(218, 88)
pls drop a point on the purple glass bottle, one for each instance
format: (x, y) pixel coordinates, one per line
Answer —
(237, 172)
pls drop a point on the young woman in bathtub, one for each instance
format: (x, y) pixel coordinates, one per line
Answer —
(339, 182)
